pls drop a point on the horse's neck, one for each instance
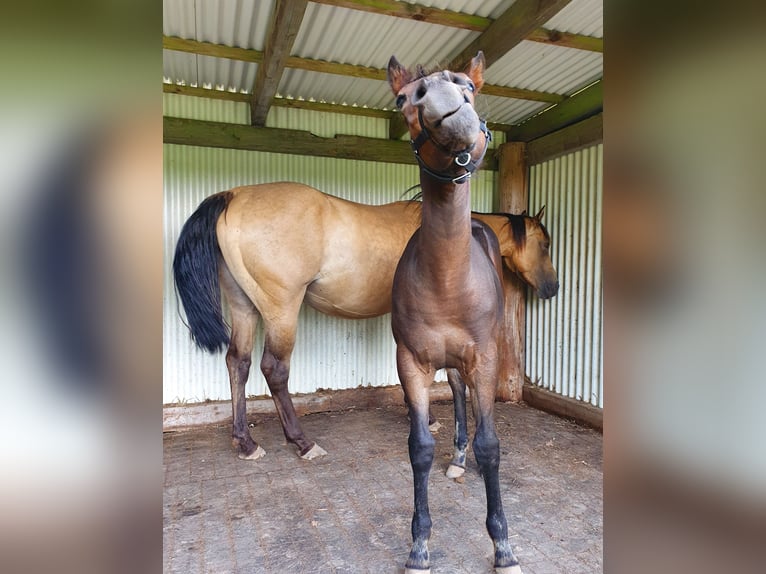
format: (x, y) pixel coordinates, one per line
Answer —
(445, 231)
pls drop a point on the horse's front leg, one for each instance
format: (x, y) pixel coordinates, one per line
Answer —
(486, 448)
(275, 365)
(457, 466)
(421, 449)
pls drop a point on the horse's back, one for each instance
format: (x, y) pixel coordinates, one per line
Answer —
(296, 238)
(487, 239)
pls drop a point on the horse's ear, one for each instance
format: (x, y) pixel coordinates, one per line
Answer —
(523, 213)
(539, 216)
(397, 75)
(475, 70)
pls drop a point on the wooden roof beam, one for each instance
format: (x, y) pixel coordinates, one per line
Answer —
(255, 56)
(295, 142)
(513, 26)
(323, 107)
(581, 105)
(464, 21)
(283, 29)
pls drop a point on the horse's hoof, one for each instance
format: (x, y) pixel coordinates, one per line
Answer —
(314, 452)
(515, 569)
(434, 428)
(455, 471)
(255, 455)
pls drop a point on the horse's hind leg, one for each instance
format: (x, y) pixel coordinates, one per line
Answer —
(275, 365)
(457, 466)
(486, 448)
(238, 359)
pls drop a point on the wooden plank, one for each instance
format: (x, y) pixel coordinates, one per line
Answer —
(321, 107)
(414, 12)
(297, 142)
(521, 94)
(326, 107)
(180, 417)
(562, 406)
(209, 49)
(283, 29)
(567, 40)
(336, 68)
(512, 197)
(221, 51)
(463, 21)
(582, 105)
(205, 93)
(571, 138)
(513, 26)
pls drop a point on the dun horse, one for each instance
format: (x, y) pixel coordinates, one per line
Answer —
(447, 293)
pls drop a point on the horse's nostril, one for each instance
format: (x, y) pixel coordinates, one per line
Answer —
(421, 92)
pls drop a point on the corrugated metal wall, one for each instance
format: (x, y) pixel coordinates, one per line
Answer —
(330, 353)
(564, 335)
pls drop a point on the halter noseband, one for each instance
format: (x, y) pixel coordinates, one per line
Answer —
(461, 159)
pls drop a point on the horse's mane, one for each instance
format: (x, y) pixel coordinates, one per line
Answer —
(518, 227)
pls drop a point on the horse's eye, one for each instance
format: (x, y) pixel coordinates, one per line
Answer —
(400, 99)
(471, 87)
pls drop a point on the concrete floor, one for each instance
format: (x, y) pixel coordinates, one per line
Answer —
(350, 511)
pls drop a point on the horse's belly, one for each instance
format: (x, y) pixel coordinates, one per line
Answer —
(353, 302)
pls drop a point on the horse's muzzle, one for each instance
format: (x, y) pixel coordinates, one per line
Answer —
(548, 290)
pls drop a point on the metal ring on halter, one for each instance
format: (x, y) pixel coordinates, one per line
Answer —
(462, 159)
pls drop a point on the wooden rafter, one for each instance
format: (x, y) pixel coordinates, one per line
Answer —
(283, 29)
(567, 40)
(513, 26)
(323, 107)
(463, 21)
(414, 12)
(585, 103)
(571, 138)
(221, 51)
(295, 142)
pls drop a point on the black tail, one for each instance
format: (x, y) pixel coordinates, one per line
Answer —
(195, 270)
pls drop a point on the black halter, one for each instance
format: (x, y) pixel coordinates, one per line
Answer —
(461, 159)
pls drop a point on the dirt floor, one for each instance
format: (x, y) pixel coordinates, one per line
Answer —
(350, 511)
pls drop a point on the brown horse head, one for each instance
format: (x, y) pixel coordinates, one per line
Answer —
(529, 255)
(447, 134)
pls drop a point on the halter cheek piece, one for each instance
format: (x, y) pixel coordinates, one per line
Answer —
(461, 159)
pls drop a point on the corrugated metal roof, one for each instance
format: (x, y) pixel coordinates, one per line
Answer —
(362, 38)
(546, 68)
(580, 17)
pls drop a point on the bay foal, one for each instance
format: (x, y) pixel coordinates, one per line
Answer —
(447, 301)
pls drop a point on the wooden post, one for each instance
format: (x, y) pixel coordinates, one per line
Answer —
(512, 197)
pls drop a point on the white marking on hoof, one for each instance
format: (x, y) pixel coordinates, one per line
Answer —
(255, 455)
(454, 471)
(415, 571)
(315, 452)
(434, 428)
(516, 569)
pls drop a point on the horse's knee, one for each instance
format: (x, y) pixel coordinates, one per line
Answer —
(486, 448)
(421, 448)
(274, 370)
